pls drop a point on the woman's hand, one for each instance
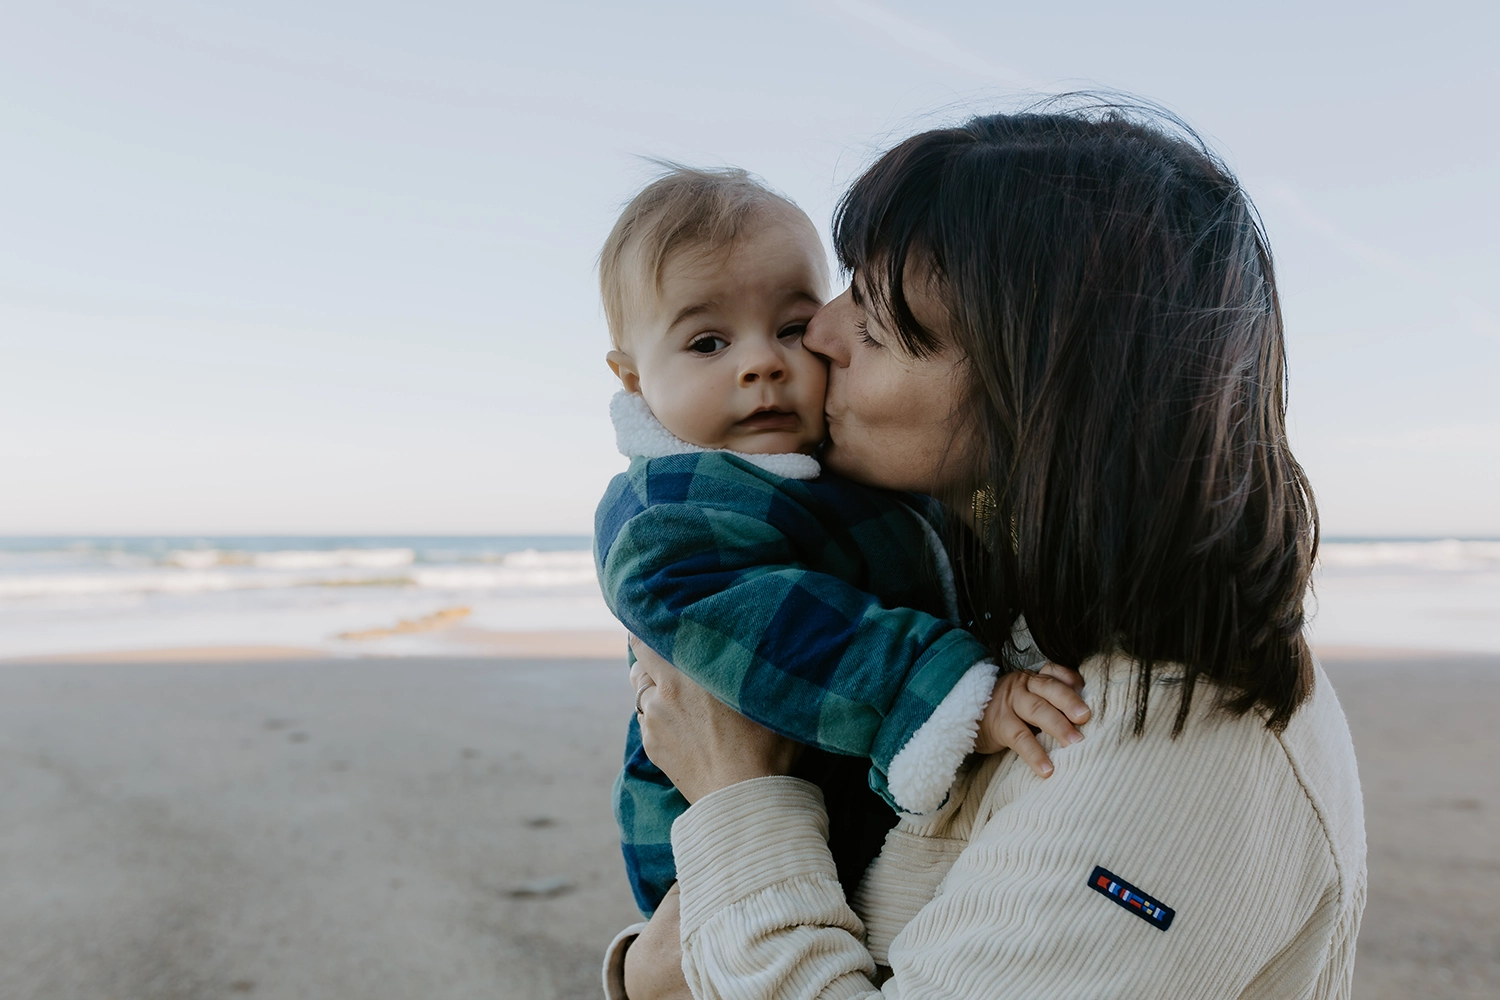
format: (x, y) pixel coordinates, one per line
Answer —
(1024, 702)
(653, 964)
(702, 744)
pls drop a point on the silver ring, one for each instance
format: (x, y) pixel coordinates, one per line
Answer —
(638, 692)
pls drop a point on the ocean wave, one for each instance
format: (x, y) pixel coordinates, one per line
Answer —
(99, 584)
(293, 559)
(203, 571)
(1449, 555)
(519, 570)
(186, 571)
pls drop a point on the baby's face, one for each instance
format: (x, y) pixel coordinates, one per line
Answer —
(719, 357)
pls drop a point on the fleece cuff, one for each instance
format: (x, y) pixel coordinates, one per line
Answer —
(922, 772)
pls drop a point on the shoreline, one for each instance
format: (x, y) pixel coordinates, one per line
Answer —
(468, 643)
(475, 643)
(1339, 654)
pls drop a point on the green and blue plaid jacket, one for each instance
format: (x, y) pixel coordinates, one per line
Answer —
(818, 608)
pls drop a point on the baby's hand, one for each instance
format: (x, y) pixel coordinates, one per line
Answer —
(1025, 702)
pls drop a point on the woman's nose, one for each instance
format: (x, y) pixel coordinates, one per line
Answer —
(825, 335)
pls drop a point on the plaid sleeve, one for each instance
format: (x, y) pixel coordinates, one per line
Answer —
(709, 565)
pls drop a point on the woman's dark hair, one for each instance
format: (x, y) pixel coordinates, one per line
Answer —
(1111, 289)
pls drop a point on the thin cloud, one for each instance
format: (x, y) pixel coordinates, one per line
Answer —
(1469, 441)
(1469, 311)
(1336, 234)
(1476, 315)
(927, 41)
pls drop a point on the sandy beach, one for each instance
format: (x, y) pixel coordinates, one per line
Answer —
(390, 828)
(1428, 744)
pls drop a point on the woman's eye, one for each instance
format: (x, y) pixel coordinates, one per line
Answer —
(708, 344)
(864, 334)
(792, 332)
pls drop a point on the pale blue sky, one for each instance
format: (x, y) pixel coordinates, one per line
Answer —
(328, 267)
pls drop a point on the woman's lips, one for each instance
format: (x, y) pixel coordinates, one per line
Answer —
(771, 420)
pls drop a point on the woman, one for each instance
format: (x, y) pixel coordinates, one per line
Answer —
(1066, 326)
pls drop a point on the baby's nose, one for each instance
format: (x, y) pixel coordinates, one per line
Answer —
(768, 367)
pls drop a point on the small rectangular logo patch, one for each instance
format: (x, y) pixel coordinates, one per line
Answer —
(1152, 910)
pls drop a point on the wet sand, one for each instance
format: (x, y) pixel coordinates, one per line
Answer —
(440, 828)
(1427, 731)
(378, 829)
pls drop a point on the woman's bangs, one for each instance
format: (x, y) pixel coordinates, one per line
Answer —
(890, 213)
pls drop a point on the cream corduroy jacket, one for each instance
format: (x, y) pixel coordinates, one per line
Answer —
(1255, 839)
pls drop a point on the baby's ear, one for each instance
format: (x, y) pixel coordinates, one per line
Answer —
(623, 365)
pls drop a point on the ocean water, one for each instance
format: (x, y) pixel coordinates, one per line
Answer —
(347, 596)
(1408, 593)
(441, 596)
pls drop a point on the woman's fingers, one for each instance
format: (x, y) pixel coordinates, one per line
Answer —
(648, 671)
(645, 696)
(651, 664)
(701, 743)
(638, 674)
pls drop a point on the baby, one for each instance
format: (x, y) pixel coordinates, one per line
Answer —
(819, 608)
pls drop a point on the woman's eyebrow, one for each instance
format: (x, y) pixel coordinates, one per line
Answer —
(854, 292)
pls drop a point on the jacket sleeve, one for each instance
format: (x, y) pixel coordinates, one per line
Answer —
(725, 594)
(1222, 834)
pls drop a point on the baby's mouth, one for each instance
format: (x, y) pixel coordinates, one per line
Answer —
(771, 419)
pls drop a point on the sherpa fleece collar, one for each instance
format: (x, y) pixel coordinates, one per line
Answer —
(638, 434)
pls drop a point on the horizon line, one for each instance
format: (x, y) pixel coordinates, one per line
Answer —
(417, 535)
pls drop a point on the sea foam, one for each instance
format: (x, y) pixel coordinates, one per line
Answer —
(70, 595)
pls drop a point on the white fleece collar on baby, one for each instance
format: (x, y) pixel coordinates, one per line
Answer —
(638, 434)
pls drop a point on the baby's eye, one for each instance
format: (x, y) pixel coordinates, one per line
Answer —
(708, 343)
(792, 332)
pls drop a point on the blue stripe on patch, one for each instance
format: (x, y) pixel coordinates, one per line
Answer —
(1148, 908)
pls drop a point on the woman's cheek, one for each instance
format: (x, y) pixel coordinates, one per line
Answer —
(866, 454)
(856, 406)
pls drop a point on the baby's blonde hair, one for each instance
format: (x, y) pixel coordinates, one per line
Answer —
(684, 209)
